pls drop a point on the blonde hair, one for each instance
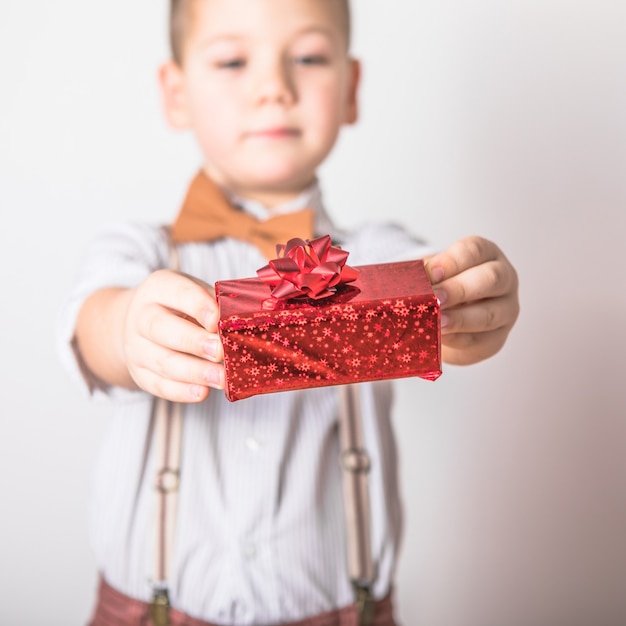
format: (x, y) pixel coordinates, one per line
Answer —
(181, 16)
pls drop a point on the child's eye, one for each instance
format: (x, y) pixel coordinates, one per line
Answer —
(311, 59)
(231, 64)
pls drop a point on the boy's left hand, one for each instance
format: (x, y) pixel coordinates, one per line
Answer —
(477, 287)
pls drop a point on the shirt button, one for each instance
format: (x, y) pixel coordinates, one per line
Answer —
(249, 550)
(254, 445)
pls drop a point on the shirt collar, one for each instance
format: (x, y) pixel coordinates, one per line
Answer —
(311, 198)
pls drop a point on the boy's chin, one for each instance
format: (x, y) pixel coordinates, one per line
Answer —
(270, 193)
(281, 181)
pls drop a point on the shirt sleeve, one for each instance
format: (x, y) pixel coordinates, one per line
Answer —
(122, 256)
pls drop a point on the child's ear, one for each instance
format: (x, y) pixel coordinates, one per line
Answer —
(352, 110)
(172, 84)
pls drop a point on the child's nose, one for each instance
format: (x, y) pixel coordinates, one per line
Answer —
(275, 84)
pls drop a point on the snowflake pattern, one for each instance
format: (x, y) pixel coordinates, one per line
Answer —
(311, 344)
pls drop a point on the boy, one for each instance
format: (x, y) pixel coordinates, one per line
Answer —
(265, 85)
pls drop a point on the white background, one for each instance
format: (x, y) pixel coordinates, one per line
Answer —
(505, 119)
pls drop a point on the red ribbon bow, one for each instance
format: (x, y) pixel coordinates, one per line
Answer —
(309, 268)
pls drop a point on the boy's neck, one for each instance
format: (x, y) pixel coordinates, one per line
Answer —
(270, 201)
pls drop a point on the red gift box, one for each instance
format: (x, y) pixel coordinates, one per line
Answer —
(383, 325)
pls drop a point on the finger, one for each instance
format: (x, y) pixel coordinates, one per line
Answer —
(487, 280)
(179, 367)
(460, 256)
(171, 330)
(172, 390)
(468, 348)
(480, 316)
(187, 295)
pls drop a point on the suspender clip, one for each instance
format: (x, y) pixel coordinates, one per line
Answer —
(160, 607)
(364, 601)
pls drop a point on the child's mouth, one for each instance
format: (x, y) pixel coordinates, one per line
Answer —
(274, 133)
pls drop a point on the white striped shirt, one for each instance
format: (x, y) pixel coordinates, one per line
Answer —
(260, 530)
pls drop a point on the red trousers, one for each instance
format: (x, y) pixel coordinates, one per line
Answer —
(115, 609)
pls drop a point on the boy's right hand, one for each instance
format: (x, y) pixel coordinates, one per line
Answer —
(160, 337)
(170, 343)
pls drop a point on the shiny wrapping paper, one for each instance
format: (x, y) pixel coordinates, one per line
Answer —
(383, 325)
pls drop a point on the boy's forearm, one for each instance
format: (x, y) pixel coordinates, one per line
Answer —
(99, 334)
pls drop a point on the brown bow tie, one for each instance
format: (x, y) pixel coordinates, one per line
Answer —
(207, 215)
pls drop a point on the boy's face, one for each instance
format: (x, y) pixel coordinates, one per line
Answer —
(265, 85)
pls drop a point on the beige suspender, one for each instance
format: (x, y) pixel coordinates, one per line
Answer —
(356, 465)
(167, 428)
